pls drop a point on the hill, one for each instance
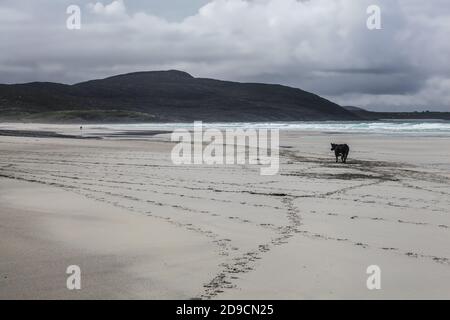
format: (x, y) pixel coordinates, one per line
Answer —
(416, 115)
(168, 96)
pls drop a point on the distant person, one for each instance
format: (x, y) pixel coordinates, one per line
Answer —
(340, 150)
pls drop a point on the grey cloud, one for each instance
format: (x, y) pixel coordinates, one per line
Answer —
(321, 46)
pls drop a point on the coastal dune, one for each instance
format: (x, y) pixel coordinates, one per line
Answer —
(141, 227)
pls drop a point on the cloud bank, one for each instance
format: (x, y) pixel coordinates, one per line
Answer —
(321, 46)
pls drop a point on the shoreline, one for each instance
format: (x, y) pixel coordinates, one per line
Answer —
(388, 129)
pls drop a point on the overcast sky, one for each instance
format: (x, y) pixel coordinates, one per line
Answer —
(321, 46)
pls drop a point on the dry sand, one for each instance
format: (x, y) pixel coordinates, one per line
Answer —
(141, 227)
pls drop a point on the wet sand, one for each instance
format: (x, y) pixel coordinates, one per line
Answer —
(142, 227)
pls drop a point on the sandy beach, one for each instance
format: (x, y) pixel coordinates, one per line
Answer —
(141, 227)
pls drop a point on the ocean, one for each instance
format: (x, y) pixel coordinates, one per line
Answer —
(414, 127)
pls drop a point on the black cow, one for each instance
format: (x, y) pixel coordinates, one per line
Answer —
(341, 150)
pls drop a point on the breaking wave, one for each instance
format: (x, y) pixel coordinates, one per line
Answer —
(380, 127)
